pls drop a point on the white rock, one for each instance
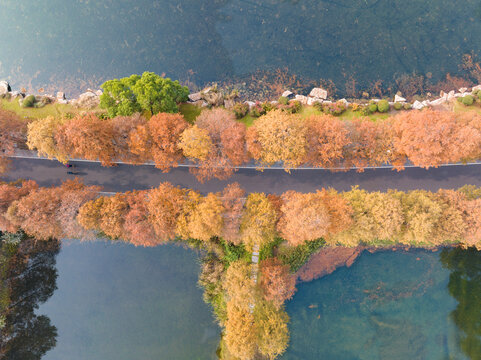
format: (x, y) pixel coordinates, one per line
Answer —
(417, 105)
(61, 95)
(327, 102)
(343, 101)
(16, 94)
(477, 87)
(451, 93)
(458, 95)
(425, 103)
(250, 103)
(195, 96)
(87, 100)
(287, 94)
(318, 93)
(439, 101)
(463, 90)
(4, 87)
(398, 98)
(99, 92)
(62, 101)
(442, 93)
(313, 100)
(302, 99)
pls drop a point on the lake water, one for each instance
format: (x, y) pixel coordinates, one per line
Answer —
(80, 43)
(115, 301)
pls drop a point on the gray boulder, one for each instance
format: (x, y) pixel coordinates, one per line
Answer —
(87, 100)
(288, 94)
(195, 96)
(4, 87)
(212, 96)
(418, 105)
(318, 93)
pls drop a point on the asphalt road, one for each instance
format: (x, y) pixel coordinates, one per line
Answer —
(128, 177)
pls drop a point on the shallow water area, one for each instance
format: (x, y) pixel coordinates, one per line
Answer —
(390, 305)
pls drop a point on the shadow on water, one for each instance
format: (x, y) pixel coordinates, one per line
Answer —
(465, 286)
(28, 278)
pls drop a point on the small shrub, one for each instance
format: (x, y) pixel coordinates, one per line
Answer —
(397, 106)
(407, 106)
(335, 109)
(383, 106)
(293, 107)
(267, 106)
(478, 94)
(240, 110)
(29, 101)
(459, 99)
(372, 107)
(257, 110)
(468, 100)
(355, 106)
(283, 100)
(364, 111)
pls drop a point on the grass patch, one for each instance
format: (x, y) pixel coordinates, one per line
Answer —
(461, 108)
(247, 120)
(190, 112)
(55, 110)
(297, 256)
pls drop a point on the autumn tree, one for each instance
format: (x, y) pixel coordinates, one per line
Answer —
(90, 214)
(12, 132)
(138, 229)
(122, 127)
(240, 333)
(36, 213)
(369, 144)
(74, 195)
(375, 216)
(228, 148)
(278, 137)
(165, 131)
(206, 220)
(195, 143)
(271, 329)
(164, 205)
(258, 221)
(140, 143)
(10, 193)
(233, 199)
(304, 217)
(87, 137)
(277, 283)
(41, 136)
(431, 138)
(327, 139)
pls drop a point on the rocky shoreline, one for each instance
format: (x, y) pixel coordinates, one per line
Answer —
(211, 96)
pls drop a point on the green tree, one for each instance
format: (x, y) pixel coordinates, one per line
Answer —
(149, 92)
(118, 97)
(157, 94)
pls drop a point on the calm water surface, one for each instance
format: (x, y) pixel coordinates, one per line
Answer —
(77, 43)
(116, 301)
(391, 305)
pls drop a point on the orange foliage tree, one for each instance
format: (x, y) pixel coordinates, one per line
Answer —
(431, 138)
(304, 217)
(87, 137)
(277, 283)
(278, 137)
(327, 139)
(228, 148)
(8, 194)
(233, 199)
(164, 205)
(138, 229)
(122, 127)
(12, 132)
(165, 130)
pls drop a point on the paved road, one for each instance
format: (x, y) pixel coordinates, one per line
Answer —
(127, 177)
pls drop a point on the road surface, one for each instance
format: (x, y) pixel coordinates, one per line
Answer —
(128, 177)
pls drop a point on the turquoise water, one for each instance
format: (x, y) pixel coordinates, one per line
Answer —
(116, 301)
(80, 43)
(391, 305)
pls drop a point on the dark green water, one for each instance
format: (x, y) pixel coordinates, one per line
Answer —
(118, 302)
(79, 43)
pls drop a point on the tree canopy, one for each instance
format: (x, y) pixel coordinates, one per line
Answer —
(149, 92)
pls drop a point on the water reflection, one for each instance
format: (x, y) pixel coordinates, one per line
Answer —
(465, 287)
(28, 279)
